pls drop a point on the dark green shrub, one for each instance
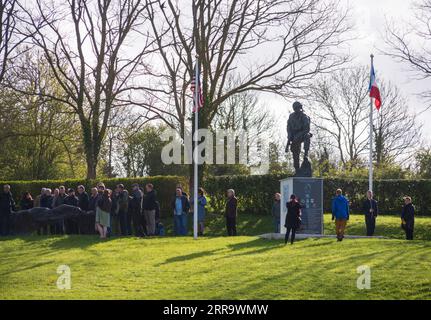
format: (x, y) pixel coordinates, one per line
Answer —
(255, 193)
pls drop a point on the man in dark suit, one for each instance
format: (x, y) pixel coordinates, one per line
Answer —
(371, 210)
(408, 218)
(7, 205)
(231, 212)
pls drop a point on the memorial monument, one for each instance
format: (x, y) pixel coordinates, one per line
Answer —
(308, 190)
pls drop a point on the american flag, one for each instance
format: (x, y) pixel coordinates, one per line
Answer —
(197, 85)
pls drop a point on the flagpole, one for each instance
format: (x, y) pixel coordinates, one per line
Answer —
(370, 163)
(195, 153)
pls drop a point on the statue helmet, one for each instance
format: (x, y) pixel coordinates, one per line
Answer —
(297, 106)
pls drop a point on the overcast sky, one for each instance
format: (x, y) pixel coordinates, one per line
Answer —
(369, 18)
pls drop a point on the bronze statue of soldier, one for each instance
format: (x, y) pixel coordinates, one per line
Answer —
(298, 133)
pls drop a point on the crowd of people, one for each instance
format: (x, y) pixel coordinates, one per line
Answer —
(115, 212)
(118, 212)
(340, 215)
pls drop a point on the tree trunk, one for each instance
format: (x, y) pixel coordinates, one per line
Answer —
(91, 168)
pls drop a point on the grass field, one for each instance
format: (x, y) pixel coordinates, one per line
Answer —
(214, 267)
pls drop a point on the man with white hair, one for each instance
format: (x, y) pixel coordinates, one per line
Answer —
(38, 198)
(231, 212)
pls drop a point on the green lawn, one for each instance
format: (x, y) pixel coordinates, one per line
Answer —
(215, 267)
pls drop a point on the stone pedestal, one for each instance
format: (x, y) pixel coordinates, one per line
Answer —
(310, 193)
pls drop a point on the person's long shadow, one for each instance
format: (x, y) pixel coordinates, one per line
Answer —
(30, 267)
(257, 246)
(191, 256)
(64, 242)
(79, 241)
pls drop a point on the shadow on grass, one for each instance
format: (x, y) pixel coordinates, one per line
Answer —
(64, 242)
(30, 267)
(256, 246)
(191, 256)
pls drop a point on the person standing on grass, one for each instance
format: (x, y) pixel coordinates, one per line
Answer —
(231, 212)
(71, 199)
(38, 198)
(26, 202)
(93, 199)
(103, 213)
(276, 206)
(123, 207)
(293, 218)
(408, 218)
(56, 228)
(340, 213)
(202, 202)
(83, 198)
(371, 211)
(180, 186)
(46, 199)
(149, 209)
(71, 225)
(83, 202)
(181, 207)
(7, 206)
(87, 221)
(135, 210)
(59, 199)
(115, 220)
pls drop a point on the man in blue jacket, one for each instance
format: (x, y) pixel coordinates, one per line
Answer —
(181, 207)
(340, 212)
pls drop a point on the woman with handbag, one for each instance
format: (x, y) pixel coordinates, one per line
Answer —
(293, 218)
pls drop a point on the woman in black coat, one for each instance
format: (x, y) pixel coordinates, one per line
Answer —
(293, 218)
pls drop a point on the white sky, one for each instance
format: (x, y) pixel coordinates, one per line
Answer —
(369, 18)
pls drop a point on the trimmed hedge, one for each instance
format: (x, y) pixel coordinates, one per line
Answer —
(255, 193)
(165, 186)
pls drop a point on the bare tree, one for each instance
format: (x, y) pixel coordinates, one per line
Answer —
(270, 46)
(397, 134)
(87, 46)
(410, 43)
(341, 113)
(243, 112)
(10, 37)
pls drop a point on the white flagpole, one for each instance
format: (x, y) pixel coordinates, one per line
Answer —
(370, 164)
(195, 154)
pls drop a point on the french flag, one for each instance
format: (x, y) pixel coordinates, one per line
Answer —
(374, 89)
